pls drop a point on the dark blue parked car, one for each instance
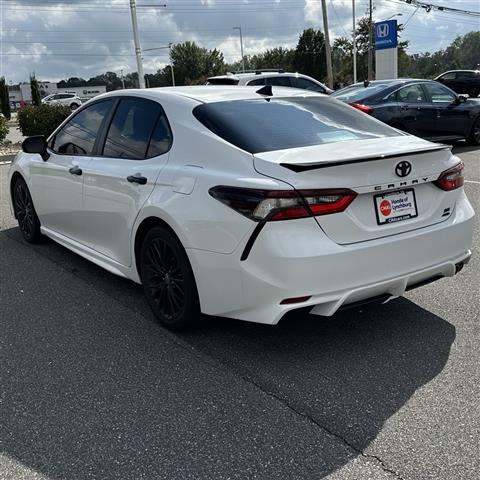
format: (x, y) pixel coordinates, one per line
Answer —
(424, 108)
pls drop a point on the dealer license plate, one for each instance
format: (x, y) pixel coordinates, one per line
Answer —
(395, 206)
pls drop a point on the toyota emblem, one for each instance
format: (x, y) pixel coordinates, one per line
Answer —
(403, 169)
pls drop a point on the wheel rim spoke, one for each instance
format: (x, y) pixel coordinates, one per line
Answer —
(164, 278)
(24, 210)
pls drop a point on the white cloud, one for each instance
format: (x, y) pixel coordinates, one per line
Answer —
(77, 39)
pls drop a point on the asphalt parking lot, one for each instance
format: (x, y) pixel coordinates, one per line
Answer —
(92, 388)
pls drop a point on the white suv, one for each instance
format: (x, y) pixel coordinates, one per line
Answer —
(70, 99)
(277, 78)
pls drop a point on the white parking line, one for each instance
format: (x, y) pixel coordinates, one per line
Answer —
(472, 181)
(6, 163)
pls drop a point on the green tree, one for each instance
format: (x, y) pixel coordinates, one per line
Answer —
(193, 64)
(35, 91)
(4, 99)
(310, 56)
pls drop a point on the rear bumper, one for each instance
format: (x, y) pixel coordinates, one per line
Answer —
(299, 260)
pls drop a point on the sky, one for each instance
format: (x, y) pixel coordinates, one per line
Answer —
(84, 38)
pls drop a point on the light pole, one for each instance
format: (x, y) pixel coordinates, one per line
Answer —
(354, 43)
(241, 46)
(171, 64)
(123, 80)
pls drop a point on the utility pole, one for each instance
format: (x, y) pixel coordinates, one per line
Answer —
(370, 41)
(241, 46)
(328, 51)
(354, 23)
(136, 39)
(123, 79)
(171, 64)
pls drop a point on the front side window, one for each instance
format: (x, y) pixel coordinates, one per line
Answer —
(411, 94)
(263, 125)
(440, 94)
(131, 128)
(77, 137)
(464, 75)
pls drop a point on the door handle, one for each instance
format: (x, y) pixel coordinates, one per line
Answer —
(76, 170)
(137, 179)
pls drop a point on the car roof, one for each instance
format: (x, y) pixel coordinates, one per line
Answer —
(212, 93)
(257, 74)
(460, 70)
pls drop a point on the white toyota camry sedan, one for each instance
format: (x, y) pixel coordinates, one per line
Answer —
(245, 203)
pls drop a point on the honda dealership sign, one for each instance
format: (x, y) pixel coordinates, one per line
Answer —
(386, 57)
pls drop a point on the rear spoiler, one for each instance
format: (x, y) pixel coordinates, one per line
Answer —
(295, 167)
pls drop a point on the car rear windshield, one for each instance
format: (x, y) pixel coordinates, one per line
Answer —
(359, 92)
(267, 124)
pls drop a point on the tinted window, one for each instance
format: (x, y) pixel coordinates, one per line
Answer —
(358, 92)
(263, 125)
(411, 94)
(448, 76)
(131, 129)
(307, 85)
(257, 81)
(79, 134)
(279, 81)
(464, 75)
(161, 139)
(439, 94)
(222, 81)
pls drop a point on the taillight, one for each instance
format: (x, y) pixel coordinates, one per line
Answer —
(362, 108)
(273, 205)
(451, 179)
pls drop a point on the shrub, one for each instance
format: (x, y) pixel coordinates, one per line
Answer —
(3, 128)
(42, 120)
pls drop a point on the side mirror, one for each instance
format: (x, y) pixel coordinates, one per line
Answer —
(461, 99)
(36, 144)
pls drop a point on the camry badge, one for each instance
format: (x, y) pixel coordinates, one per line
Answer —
(403, 169)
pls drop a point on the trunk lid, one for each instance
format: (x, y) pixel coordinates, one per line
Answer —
(369, 167)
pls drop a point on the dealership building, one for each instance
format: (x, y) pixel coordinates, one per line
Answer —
(22, 92)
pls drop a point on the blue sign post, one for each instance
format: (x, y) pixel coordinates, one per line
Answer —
(386, 35)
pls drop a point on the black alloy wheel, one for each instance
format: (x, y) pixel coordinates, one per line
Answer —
(168, 280)
(474, 138)
(25, 212)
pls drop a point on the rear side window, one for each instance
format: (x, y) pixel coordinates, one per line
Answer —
(411, 94)
(359, 92)
(306, 84)
(263, 125)
(161, 139)
(257, 81)
(131, 128)
(222, 81)
(78, 136)
(279, 81)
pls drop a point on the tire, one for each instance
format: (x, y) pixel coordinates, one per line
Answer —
(25, 212)
(74, 106)
(168, 280)
(474, 138)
